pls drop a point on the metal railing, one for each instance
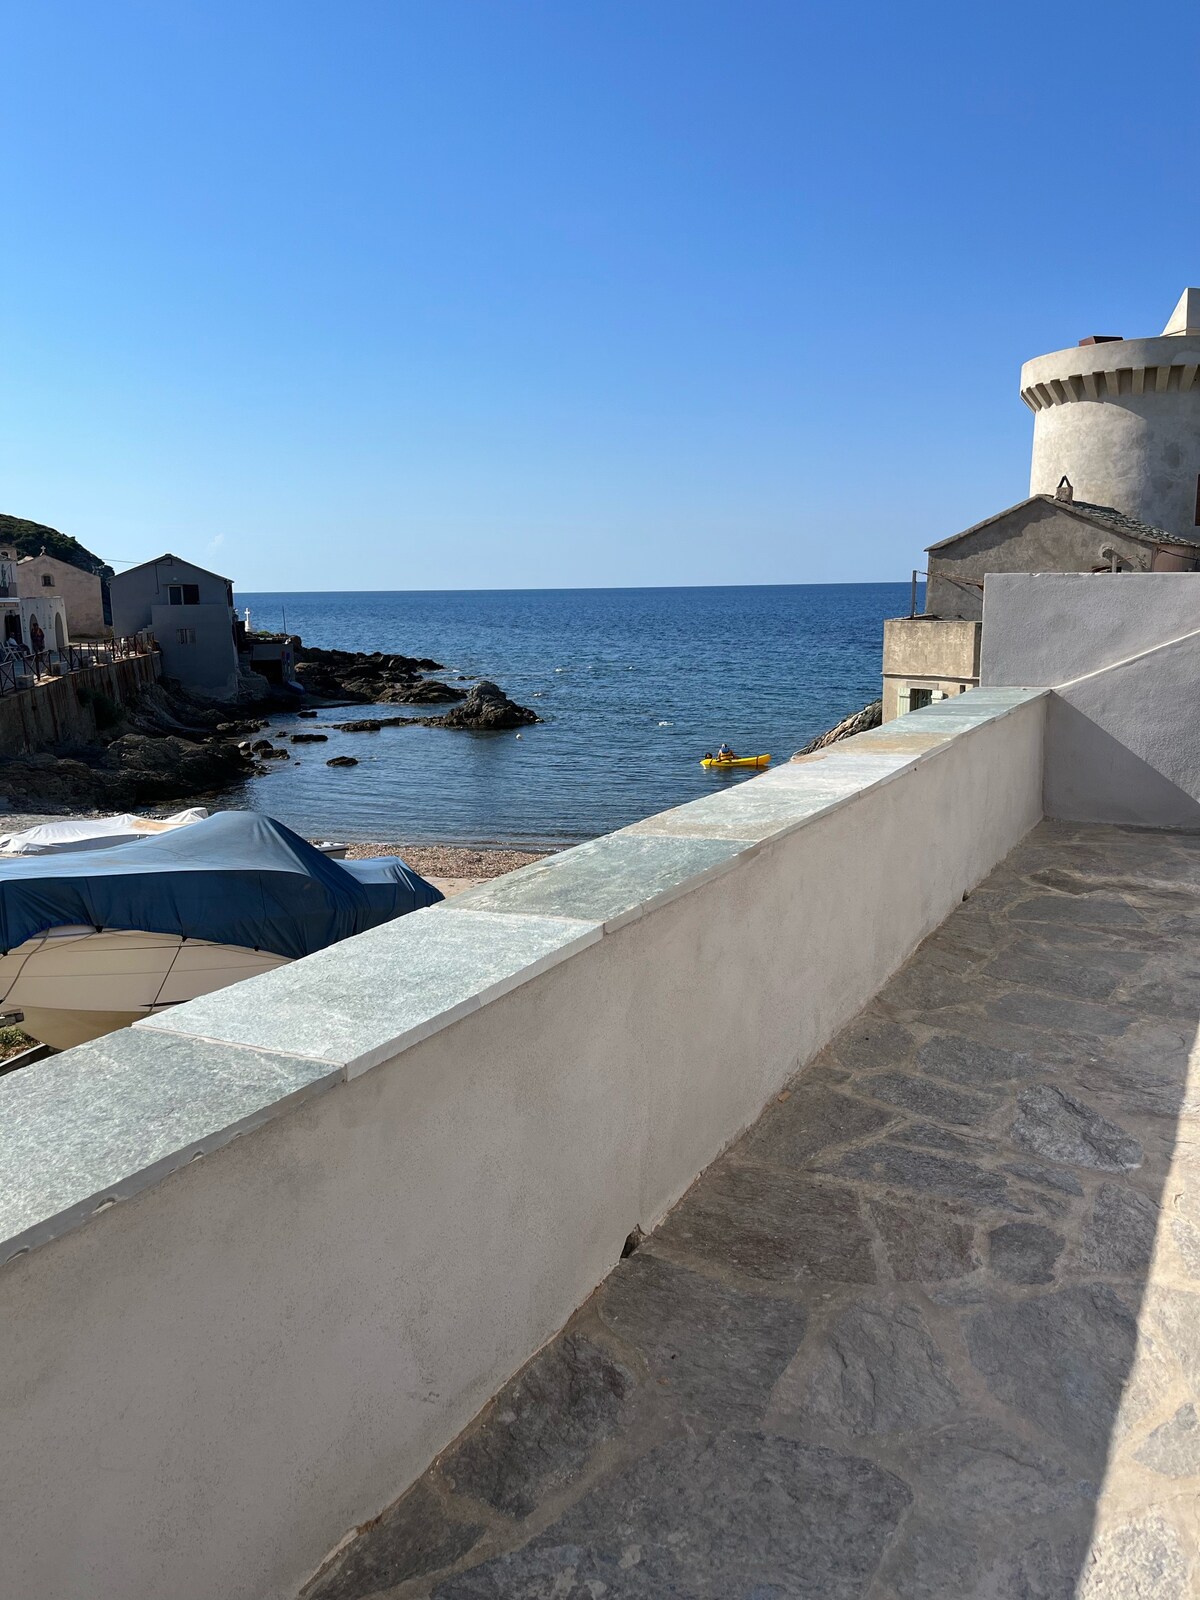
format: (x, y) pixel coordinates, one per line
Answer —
(21, 668)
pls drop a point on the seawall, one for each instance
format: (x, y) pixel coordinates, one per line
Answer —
(63, 710)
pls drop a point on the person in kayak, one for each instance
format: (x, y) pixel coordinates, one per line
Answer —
(725, 753)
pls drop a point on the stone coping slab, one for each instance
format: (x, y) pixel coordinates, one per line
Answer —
(402, 982)
(100, 1122)
(105, 1120)
(610, 880)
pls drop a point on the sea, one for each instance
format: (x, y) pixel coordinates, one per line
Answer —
(633, 687)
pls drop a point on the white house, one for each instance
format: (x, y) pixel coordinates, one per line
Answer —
(190, 612)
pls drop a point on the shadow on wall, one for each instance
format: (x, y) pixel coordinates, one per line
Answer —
(1123, 743)
(1122, 656)
(1093, 776)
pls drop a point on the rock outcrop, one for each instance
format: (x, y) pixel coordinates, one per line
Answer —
(426, 692)
(869, 717)
(351, 677)
(485, 707)
(135, 769)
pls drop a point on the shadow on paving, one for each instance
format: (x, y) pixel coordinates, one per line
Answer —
(931, 1328)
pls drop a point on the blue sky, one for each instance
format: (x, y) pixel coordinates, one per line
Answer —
(490, 293)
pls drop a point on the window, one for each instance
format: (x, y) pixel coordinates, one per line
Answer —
(47, 581)
(185, 635)
(183, 594)
(918, 698)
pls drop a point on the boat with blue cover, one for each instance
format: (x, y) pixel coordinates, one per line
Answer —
(93, 939)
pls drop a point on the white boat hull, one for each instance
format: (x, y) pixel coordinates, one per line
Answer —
(74, 984)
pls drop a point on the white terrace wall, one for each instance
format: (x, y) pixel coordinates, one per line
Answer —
(459, 1118)
(1122, 653)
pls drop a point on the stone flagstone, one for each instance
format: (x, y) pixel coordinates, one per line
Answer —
(929, 1331)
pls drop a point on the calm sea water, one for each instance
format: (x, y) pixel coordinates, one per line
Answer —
(634, 686)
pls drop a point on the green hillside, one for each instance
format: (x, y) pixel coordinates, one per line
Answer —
(31, 538)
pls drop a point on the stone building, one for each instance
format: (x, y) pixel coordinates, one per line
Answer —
(190, 612)
(1114, 487)
(44, 577)
(19, 611)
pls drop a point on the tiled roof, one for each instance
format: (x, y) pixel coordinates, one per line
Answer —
(1120, 523)
(1103, 516)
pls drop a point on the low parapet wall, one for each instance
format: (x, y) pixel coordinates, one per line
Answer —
(222, 1353)
(63, 710)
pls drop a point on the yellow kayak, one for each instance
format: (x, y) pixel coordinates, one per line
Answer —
(738, 761)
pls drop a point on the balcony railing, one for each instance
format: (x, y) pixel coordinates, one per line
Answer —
(21, 668)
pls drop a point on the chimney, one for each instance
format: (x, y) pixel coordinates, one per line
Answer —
(1064, 492)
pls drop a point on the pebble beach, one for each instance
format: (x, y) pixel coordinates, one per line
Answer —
(451, 868)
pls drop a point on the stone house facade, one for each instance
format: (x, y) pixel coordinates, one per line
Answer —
(44, 577)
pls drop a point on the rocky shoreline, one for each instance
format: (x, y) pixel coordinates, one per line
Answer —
(167, 745)
(349, 677)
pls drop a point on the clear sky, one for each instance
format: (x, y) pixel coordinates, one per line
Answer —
(491, 293)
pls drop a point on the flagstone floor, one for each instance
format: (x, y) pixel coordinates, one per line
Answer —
(930, 1329)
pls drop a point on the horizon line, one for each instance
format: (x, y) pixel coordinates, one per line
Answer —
(602, 588)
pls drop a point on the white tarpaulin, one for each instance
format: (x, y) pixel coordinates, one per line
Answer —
(93, 833)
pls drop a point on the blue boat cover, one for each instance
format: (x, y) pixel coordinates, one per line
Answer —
(237, 878)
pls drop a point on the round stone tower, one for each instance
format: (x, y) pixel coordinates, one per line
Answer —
(1120, 418)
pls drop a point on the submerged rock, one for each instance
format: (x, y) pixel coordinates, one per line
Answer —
(342, 761)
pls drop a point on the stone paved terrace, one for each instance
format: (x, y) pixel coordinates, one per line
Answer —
(931, 1328)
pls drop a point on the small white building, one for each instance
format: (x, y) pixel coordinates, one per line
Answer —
(189, 610)
(34, 621)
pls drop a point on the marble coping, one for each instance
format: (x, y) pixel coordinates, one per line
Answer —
(92, 1126)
